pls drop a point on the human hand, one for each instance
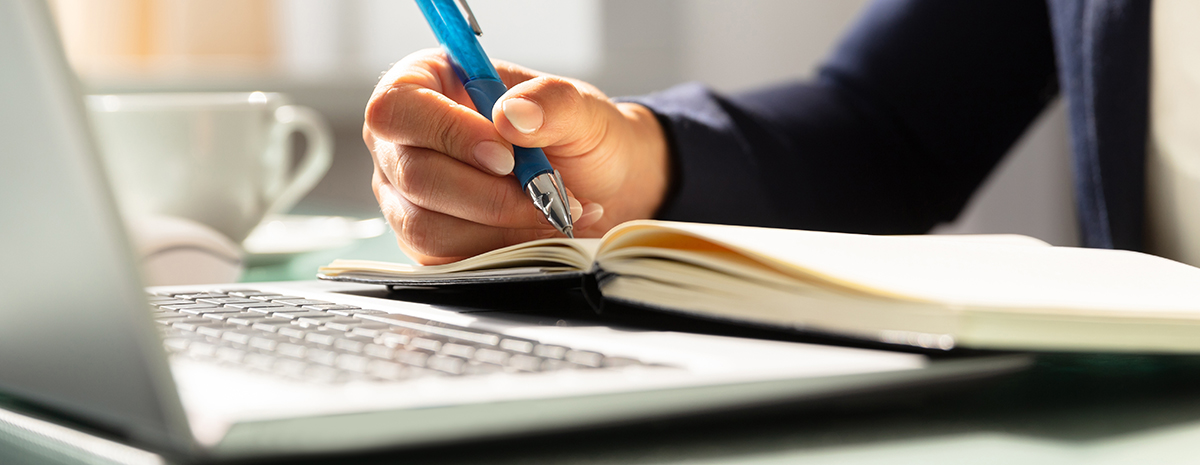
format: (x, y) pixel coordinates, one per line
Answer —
(442, 170)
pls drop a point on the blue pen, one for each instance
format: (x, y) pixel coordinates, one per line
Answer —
(534, 173)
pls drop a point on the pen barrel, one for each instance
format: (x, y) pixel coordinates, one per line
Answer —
(528, 162)
(458, 40)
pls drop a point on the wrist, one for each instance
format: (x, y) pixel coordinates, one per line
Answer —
(648, 177)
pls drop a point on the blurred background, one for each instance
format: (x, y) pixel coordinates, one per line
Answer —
(328, 54)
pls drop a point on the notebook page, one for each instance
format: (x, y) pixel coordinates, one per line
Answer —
(575, 253)
(973, 273)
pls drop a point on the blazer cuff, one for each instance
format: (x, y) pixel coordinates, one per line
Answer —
(714, 175)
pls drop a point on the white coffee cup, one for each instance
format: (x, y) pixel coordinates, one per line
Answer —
(221, 159)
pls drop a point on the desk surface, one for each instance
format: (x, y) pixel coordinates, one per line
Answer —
(1094, 409)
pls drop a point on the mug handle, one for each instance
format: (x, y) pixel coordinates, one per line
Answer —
(316, 161)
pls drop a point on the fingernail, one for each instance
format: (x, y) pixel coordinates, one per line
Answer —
(591, 214)
(494, 156)
(524, 115)
(576, 208)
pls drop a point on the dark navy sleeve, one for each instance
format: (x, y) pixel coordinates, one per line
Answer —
(903, 121)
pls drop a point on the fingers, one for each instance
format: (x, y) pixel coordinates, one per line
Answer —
(417, 104)
(408, 114)
(438, 183)
(549, 111)
(431, 237)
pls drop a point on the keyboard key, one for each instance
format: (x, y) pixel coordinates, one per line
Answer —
(198, 295)
(189, 306)
(169, 301)
(411, 357)
(201, 311)
(427, 344)
(211, 331)
(225, 301)
(321, 356)
(452, 365)
(274, 310)
(458, 350)
(302, 314)
(517, 345)
(232, 291)
(291, 350)
(325, 339)
(588, 359)
(292, 331)
(245, 319)
(355, 312)
(176, 344)
(443, 329)
(350, 324)
(269, 297)
(237, 337)
(254, 304)
(378, 351)
(350, 345)
(549, 351)
(325, 319)
(266, 342)
(327, 306)
(272, 325)
(175, 319)
(492, 356)
(248, 293)
(525, 362)
(296, 302)
(195, 324)
(392, 339)
(219, 316)
(372, 332)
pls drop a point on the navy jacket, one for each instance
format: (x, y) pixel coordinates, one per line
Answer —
(912, 110)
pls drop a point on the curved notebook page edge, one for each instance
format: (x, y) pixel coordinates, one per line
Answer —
(964, 273)
(546, 253)
(512, 275)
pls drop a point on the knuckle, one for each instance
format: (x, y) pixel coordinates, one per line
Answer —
(418, 185)
(417, 232)
(448, 134)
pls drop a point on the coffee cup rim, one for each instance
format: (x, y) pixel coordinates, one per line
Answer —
(181, 100)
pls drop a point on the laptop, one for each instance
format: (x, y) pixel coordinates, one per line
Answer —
(268, 369)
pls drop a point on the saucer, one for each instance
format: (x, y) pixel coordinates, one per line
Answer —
(280, 237)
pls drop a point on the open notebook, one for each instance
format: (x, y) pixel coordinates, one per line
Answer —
(993, 292)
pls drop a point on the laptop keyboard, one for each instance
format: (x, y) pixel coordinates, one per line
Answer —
(322, 341)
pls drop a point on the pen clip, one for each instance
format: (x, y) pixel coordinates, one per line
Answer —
(471, 18)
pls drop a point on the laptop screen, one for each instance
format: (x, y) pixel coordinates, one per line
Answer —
(74, 337)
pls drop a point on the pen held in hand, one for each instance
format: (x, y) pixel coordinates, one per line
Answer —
(540, 181)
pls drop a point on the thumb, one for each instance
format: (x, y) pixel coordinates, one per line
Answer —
(551, 111)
